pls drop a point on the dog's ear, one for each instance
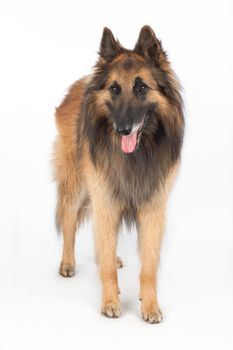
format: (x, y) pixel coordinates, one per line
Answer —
(110, 48)
(149, 46)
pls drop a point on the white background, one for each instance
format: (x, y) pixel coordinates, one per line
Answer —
(44, 47)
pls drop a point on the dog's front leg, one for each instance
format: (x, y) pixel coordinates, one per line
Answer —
(150, 226)
(106, 222)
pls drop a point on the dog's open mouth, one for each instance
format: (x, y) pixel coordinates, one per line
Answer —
(129, 142)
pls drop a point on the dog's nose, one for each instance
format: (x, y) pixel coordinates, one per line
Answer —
(124, 130)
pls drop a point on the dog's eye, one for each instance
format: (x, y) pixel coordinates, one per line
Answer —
(140, 88)
(115, 89)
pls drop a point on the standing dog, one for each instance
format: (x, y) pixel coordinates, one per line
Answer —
(117, 153)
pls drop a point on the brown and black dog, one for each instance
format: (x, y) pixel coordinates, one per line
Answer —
(117, 153)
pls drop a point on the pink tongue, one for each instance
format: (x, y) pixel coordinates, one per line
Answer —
(129, 142)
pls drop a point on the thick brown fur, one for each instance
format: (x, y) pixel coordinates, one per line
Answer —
(96, 177)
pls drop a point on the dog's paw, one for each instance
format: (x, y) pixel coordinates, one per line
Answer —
(151, 314)
(67, 270)
(111, 310)
(119, 263)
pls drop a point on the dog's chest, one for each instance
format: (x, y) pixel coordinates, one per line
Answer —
(133, 180)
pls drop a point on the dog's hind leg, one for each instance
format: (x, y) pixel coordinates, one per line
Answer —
(67, 220)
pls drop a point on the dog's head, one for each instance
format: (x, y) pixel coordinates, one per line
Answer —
(133, 92)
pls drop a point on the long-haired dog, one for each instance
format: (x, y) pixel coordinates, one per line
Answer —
(117, 153)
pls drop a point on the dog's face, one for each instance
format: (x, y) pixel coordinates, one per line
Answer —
(129, 92)
(132, 88)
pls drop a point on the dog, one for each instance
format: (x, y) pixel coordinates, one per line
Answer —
(118, 150)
